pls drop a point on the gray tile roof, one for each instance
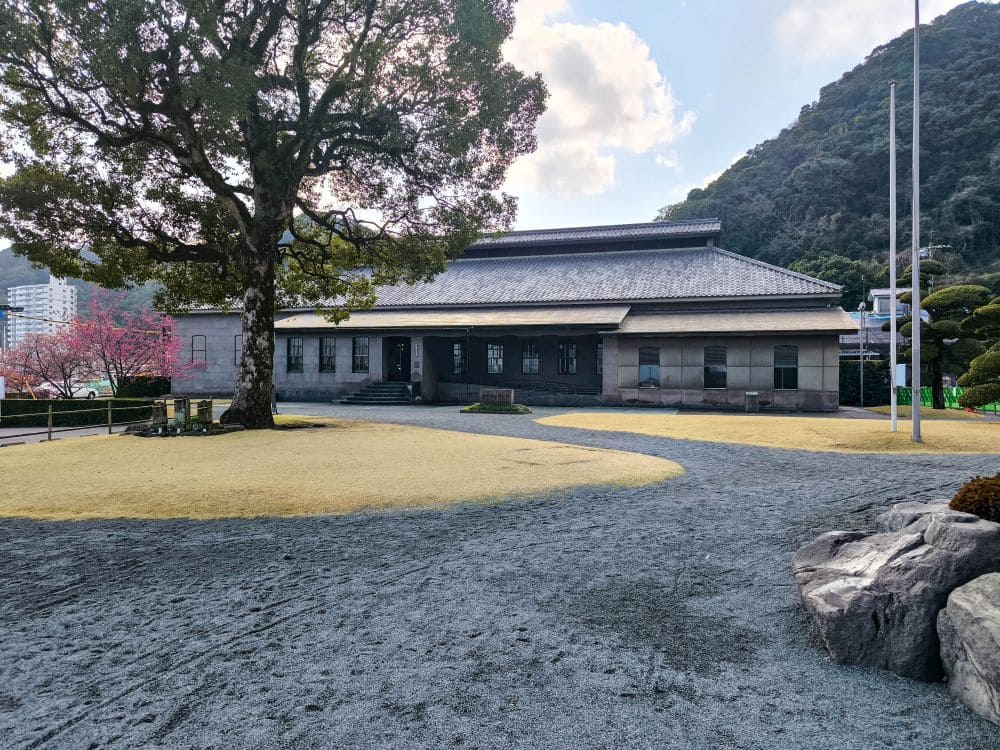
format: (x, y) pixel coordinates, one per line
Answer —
(632, 275)
(614, 232)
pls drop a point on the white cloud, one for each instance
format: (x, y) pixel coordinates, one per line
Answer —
(824, 29)
(668, 159)
(606, 95)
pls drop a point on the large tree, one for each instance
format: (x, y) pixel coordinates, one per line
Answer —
(181, 141)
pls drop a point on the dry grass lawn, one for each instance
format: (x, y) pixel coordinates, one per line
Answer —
(925, 413)
(343, 467)
(798, 433)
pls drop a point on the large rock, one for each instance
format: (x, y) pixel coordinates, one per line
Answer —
(969, 629)
(875, 599)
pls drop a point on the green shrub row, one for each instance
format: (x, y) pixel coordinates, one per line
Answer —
(32, 413)
(877, 382)
(478, 408)
(143, 387)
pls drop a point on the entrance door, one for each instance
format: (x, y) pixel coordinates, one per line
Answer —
(397, 359)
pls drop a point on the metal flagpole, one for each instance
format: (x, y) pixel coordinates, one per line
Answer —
(915, 314)
(893, 400)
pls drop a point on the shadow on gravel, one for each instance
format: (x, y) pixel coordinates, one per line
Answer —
(646, 613)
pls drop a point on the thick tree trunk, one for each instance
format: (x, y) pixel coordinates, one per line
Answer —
(937, 386)
(251, 406)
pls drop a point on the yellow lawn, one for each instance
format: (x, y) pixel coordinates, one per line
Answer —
(344, 467)
(799, 433)
(925, 413)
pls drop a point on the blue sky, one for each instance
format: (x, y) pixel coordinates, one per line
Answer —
(650, 98)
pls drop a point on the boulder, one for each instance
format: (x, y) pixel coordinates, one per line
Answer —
(875, 599)
(969, 629)
(901, 515)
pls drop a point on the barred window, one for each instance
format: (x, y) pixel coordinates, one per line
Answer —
(649, 367)
(293, 359)
(237, 349)
(359, 354)
(600, 357)
(715, 367)
(328, 354)
(459, 358)
(199, 348)
(494, 358)
(530, 359)
(786, 368)
(567, 358)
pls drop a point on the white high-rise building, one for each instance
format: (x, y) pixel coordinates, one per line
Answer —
(48, 308)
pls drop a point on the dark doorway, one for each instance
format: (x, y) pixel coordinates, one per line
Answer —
(397, 359)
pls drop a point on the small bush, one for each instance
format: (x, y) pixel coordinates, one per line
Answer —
(478, 408)
(979, 496)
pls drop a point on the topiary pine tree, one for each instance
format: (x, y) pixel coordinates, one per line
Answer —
(982, 380)
(178, 141)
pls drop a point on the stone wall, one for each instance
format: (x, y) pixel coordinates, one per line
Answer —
(750, 367)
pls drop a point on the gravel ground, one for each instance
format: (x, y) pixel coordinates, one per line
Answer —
(598, 618)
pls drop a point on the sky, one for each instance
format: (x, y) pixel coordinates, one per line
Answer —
(651, 98)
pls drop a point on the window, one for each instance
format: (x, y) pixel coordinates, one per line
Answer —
(529, 358)
(715, 367)
(199, 349)
(494, 358)
(567, 358)
(786, 368)
(237, 349)
(600, 357)
(649, 367)
(328, 355)
(359, 354)
(459, 359)
(293, 358)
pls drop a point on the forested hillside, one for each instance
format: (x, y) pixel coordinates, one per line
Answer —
(16, 271)
(821, 186)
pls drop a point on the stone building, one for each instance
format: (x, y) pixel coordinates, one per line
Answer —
(652, 313)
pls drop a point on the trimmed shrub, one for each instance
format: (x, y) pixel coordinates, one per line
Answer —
(877, 382)
(84, 412)
(478, 408)
(143, 387)
(979, 496)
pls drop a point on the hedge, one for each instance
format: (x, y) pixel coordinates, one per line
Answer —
(877, 382)
(96, 412)
(143, 387)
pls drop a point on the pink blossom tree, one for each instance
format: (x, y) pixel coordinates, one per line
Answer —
(15, 368)
(57, 360)
(123, 344)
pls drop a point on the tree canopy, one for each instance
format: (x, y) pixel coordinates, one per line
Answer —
(181, 141)
(821, 186)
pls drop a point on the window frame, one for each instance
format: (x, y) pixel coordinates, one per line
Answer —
(600, 358)
(494, 358)
(459, 358)
(656, 365)
(566, 357)
(237, 349)
(781, 371)
(203, 348)
(295, 362)
(328, 361)
(527, 358)
(717, 368)
(360, 361)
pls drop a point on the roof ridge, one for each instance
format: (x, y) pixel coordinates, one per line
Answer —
(582, 254)
(772, 267)
(590, 227)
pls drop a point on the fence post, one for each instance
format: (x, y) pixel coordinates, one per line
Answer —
(50, 423)
(109, 417)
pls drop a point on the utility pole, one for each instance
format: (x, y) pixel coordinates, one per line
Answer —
(861, 351)
(893, 400)
(915, 314)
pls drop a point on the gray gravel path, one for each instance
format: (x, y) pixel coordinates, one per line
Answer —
(598, 618)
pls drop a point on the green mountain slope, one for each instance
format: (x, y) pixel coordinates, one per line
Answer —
(821, 186)
(16, 270)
